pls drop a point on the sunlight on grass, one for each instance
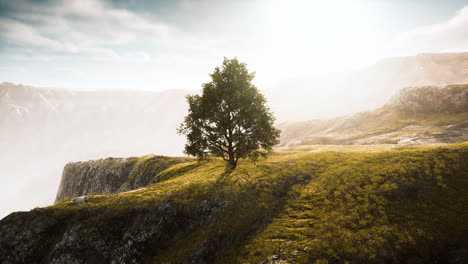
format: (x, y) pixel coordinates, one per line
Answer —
(336, 203)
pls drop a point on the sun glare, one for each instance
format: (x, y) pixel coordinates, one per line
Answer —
(323, 35)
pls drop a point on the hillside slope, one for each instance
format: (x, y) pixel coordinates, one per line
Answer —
(403, 205)
(415, 115)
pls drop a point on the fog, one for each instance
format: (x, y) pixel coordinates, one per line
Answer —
(42, 129)
(116, 72)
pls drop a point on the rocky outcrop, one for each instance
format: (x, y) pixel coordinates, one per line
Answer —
(112, 175)
(450, 99)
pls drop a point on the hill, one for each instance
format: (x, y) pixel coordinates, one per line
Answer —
(361, 205)
(415, 115)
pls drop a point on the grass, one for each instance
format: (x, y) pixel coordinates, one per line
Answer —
(387, 205)
(314, 204)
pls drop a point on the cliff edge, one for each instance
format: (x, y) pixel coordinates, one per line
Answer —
(112, 175)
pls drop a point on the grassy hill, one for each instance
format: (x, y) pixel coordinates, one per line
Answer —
(313, 205)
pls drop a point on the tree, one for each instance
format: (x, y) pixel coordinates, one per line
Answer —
(230, 118)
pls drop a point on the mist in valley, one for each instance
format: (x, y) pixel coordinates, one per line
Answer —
(72, 92)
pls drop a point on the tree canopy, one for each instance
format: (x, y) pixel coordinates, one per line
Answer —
(230, 118)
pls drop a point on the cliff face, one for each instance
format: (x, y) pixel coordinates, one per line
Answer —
(112, 175)
(405, 205)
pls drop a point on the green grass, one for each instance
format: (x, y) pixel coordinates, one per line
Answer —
(316, 204)
(386, 205)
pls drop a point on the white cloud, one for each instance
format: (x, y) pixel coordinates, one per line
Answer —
(279, 40)
(450, 36)
(22, 35)
(77, 28)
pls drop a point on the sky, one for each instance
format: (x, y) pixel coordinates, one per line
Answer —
(160, 45)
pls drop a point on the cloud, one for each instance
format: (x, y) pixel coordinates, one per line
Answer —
(75, 27)
(18, 34)
(444, 37)
(90, 30)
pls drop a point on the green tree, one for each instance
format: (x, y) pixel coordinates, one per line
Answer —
(230, 118)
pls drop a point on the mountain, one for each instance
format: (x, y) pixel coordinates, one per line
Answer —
(101, 117)
(415, 115)
(318, 95)
(424, 69)
(355, 205)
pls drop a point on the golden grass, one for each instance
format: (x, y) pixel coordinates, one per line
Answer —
(310, 204)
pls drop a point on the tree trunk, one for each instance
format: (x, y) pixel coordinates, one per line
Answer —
(232, 162)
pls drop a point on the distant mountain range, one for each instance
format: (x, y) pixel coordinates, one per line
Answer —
(42, 129)
(100, 117)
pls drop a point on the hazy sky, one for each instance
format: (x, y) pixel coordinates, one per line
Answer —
(159, 45)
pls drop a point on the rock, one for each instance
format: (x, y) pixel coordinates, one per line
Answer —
(432, 99)
(79, 200)
(275, 257)
(112, 175)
